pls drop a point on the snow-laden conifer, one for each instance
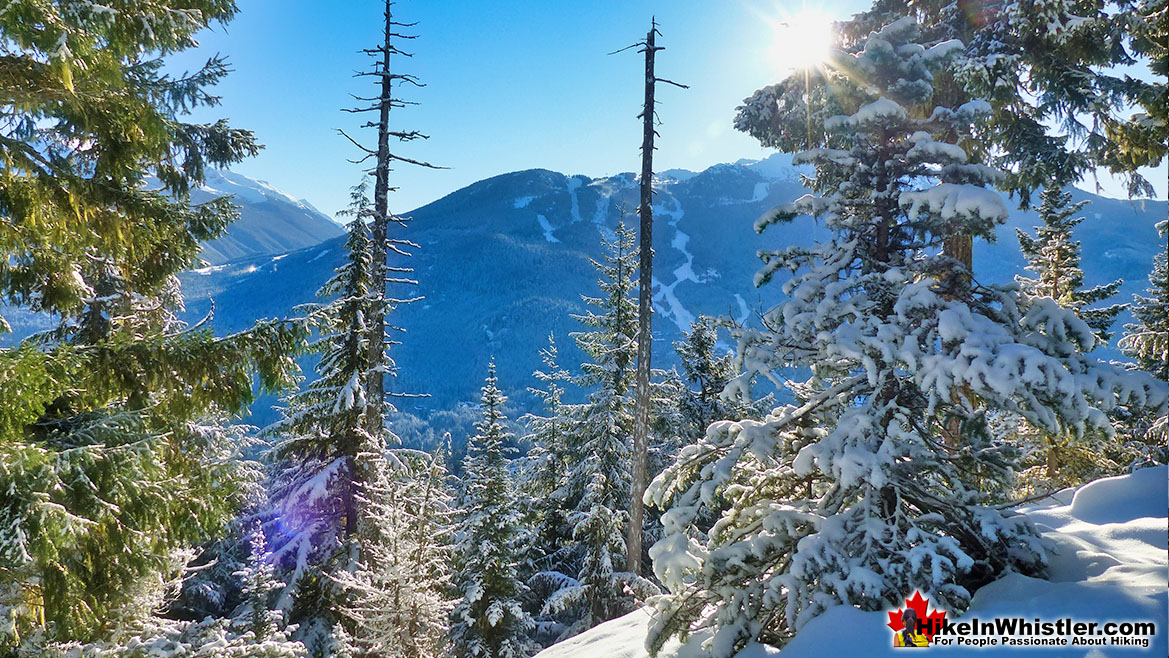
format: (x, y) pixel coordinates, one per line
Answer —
(598, 484)
(1146, 339)
(1053, 255)
(489, 621)
(870, 485)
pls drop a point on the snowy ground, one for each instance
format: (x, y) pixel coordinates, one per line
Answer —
(1112, 540)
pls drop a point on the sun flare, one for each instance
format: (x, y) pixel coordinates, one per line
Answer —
(802, 40)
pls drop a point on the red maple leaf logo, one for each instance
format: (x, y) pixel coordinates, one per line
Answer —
(930, 623)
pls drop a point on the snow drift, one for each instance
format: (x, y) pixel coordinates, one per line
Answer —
(1109, 562)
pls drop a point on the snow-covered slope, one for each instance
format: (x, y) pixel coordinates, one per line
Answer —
(271, 222)
(1110, 564)
(504, 261)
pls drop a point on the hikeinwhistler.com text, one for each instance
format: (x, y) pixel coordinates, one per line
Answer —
(1020, 632)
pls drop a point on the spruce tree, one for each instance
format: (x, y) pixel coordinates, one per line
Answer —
(396, 598)
(708, 374)
(322, 435)
(1054, 256)
(599, 481)
(1147, 339)
(115, 457)
(360, 523)
(489, 621)
(545, 472)
(259, 588)
(868, 487)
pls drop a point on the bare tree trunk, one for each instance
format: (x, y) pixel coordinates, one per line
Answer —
(644, 312)
(375, 384)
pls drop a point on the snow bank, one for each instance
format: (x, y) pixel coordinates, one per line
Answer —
(1110, 538)
(624, 637)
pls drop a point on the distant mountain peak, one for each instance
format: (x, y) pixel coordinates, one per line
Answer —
(271, 220)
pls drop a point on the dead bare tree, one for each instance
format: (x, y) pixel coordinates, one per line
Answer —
(645, 302)
(378, 364)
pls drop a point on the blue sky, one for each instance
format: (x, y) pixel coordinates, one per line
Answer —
(511, 84)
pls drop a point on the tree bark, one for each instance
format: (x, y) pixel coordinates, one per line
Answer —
(375, 384)
(644, 312)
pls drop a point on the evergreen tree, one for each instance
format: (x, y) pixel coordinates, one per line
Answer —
(545, 472)
(710, 373)
(1147, 339)
(1068, 53)
(1055, 258)
(259, 586)
(489, 621)
(321, 438)
(868, 486)
(114, 451)
(396, 598)
(599, 481)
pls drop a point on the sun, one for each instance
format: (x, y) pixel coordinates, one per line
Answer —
(802, 40)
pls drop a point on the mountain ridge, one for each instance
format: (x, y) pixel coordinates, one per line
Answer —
(504, 262)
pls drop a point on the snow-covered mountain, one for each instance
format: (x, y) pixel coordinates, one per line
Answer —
(1107, 564)
(271, 222)
(504, 262)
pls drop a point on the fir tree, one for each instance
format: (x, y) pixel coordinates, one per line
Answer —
(489, 621)
(1147, 339)
(709, 373)
(545, 472)
(259, 587)
(322, 432)
(599, 481)
(1055, 258)
(114, 451)
(868, 486)
(396, 598)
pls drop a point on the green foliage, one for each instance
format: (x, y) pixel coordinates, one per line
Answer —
(489, 620)
(1050, 69)
(1054, 256)
(113, 453)
(1147, 339)
(1061, 460)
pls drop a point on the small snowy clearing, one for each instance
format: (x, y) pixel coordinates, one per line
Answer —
(544, 224)
(210, 269)
(522, 202)
(1110, 539)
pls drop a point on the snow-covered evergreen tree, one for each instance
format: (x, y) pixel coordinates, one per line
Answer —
(544, 477)
(868, 486)
(320, 437)
(1147, 339)
(708, 373)
(1054, 256)
(599, 481)
(1086, 118)
(489, 621)
(363, 551)
(259, 586)
(396, 598)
